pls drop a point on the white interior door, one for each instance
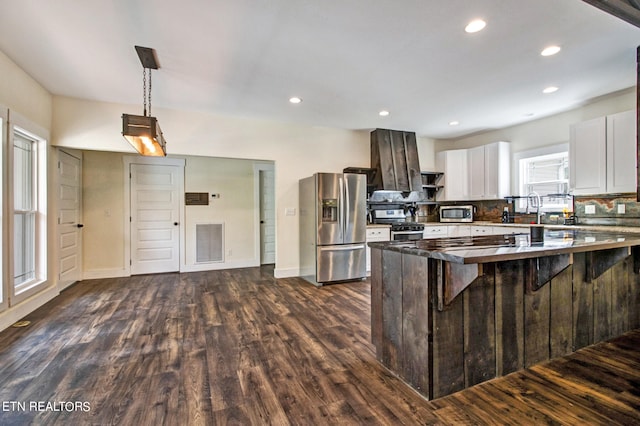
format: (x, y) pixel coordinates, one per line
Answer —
(155, 213)
(267, 217)
(69, 219)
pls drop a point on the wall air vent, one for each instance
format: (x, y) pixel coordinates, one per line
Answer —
(209, 242)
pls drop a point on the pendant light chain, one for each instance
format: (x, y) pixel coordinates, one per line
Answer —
(149, 91)
(144, 90)
(146, 98)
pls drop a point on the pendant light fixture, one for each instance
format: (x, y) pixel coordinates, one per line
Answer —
(143, 131)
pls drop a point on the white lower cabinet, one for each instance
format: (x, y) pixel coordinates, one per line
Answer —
(481, 230)
(435, 231)
(504, 230)
(375, 234)
(459, 230)
(474, 230)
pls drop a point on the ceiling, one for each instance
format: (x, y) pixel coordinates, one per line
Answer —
(347, 60)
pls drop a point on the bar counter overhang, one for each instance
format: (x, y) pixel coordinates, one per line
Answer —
(450, 313)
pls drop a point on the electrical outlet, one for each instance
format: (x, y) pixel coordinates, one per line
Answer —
(590, 209)
(622, 208)
(290, 211)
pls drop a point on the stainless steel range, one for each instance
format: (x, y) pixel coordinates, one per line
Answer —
(401, 229)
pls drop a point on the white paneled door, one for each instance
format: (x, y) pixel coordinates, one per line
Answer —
(267, 217)
(69, 219)
(155, 192)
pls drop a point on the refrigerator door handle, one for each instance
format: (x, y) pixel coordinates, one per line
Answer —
(341, 207)
(342, 247)
(347, 204)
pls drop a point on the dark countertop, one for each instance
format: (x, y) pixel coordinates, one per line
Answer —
(497, 248)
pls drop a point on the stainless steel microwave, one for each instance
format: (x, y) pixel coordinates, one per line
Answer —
(456, 213)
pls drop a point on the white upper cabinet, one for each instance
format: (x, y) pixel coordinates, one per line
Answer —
(489, 167)
(477, 170)
(621, 152)
(588, 157)
(497, 170)
(454, 165)
(602, 155)
(479, 173)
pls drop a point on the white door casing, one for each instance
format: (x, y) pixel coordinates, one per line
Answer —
(155, 192)
(69, 235)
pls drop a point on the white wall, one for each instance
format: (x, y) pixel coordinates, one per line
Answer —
(103, 202)
(233, 179)
(548, 133)
(103, 210)
(24, 96)
(426, 154)
(296, 150)
(549, 130)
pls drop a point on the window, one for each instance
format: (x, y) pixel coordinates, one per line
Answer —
(24, 210)
(3, 135)
(27, 200)
(547, 174)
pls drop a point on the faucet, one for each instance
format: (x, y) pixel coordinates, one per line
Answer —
(537, 205)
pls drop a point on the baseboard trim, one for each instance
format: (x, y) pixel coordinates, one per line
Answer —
(286, 272)
(97, 274)
(118, 273)
(24, 308)
(202, 267)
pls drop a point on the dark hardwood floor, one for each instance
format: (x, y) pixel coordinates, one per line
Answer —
(239, 347)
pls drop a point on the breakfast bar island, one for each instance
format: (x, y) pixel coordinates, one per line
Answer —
(450, 313)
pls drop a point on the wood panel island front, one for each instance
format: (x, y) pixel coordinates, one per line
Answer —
(450, 313)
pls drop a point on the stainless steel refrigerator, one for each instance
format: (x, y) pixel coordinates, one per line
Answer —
(333, 227)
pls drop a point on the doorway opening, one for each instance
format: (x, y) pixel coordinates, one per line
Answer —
(266, 213)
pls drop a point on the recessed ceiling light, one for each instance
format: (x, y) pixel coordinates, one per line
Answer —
(550, 50)
(550, 89)
(295, 100)
(475, 26)
(383, 113)
(454, 123)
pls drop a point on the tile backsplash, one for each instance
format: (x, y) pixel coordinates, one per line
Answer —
(610, 209)
(606, 210)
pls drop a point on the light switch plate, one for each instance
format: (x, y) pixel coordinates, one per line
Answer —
(622, 208)
(290, 211)
(590, 209)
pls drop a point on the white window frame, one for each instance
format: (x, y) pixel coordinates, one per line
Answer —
(4, 289)
(40, 137)
(520, 159)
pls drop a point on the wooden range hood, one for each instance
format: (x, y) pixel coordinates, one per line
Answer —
(394, 156)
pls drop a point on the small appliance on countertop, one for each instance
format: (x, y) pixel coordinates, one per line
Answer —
(456, 214)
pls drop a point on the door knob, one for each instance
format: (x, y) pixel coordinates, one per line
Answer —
(175, 223)
(79, 225)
